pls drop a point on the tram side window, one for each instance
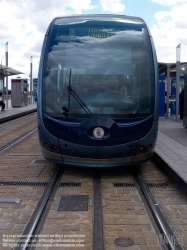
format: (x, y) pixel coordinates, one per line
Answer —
(141, 86)
(144, 89)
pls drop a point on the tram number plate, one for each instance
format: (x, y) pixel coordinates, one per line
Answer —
(73, 203)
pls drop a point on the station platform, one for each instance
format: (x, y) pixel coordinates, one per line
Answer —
(15, 112)
(171, 148)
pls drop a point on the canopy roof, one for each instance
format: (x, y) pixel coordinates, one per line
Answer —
(162, 67)
(7, 71)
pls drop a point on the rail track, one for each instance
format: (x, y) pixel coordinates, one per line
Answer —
(11, 123)
(12, 132)
(47, 206)
(162, 232)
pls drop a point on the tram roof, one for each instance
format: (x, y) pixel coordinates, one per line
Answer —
(162, 67)
(99, 15)
(7, 71)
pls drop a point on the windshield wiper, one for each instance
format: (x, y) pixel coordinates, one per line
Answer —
(72, 92)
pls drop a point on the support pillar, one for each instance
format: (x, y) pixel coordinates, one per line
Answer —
(168, 85)
(6, 56)
(31, 85)
(178, 51)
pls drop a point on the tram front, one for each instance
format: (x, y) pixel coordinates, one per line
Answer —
(97, 91)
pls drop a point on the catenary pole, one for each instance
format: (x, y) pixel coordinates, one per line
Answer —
(178, 52)
(6, 57)
(31, 85)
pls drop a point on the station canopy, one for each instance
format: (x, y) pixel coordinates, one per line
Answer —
(162, 67)
(7, 71)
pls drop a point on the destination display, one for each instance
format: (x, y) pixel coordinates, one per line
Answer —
(91, 32)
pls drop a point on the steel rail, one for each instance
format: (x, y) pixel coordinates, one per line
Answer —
(14, 130)
(32, 243)
(14, 123)
(28, 232)
(98, 241)
(171, 242)
(18, 139)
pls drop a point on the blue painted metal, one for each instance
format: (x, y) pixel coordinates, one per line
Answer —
(115, 134)
(162, 95)
(173, 95)
(35, 92)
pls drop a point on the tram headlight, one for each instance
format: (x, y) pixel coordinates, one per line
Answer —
(98, 132)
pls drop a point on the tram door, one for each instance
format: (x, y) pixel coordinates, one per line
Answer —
(162, 96)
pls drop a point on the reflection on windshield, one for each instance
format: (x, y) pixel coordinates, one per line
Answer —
(110, 71)
(66, 109)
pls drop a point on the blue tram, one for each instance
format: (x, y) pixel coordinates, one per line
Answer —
(98, 91)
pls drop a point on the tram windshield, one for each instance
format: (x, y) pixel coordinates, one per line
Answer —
(107, 64)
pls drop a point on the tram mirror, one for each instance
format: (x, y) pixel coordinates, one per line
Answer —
(64, 109)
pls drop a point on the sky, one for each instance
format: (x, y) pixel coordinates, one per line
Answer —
(23, 24)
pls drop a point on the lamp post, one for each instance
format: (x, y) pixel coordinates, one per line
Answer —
(178, 53)
(6, 57)
(31, 89)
